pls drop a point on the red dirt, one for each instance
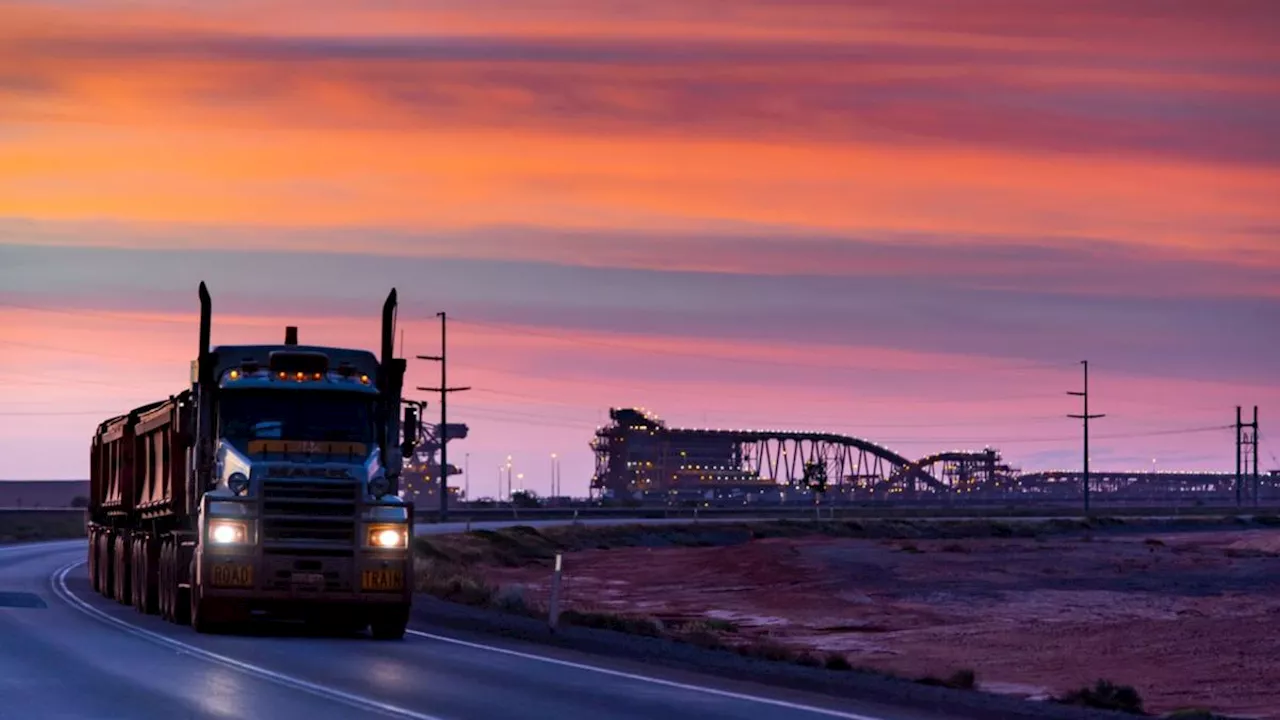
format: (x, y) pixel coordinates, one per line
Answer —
(1185, 618)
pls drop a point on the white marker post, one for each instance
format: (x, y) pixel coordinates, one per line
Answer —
(553, 612)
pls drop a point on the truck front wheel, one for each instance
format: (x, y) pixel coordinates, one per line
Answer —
(389, 623)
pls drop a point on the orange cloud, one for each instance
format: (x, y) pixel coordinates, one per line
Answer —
(168, 115)
(1116, 150)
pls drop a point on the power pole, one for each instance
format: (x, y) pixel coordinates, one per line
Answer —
(1086, 417)
(443, 433)
(1246, 454)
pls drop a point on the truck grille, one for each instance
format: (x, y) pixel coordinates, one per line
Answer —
(309, 514)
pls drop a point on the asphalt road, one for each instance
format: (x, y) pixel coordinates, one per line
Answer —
(66, 653)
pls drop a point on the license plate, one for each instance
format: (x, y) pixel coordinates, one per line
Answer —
(232, 575)
(308, 578)
(385, 579)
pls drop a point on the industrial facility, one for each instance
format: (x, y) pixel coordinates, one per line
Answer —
(420, 477)
(640, 458)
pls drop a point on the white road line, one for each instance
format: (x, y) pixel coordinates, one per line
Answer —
(59, 583)
(652, 680)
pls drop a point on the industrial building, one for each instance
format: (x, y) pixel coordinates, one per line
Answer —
(640, 458)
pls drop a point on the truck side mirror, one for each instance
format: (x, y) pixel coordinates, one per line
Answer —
(410, 430)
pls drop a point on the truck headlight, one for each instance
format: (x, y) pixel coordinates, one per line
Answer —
(228, 532)
(388, 536)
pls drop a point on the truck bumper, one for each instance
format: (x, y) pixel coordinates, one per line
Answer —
(366, 578)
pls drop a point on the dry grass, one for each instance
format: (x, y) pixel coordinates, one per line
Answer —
(452, 567)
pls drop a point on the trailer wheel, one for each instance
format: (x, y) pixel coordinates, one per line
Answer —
(93, 558)
(124, 574)
(135, 575)
(150, 584)
(181, 596)
(164, 579)
(106, 566)
(389, 623)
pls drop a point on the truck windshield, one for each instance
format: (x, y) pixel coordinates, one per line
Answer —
(294, 415)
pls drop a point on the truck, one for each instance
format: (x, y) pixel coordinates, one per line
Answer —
(269, 486)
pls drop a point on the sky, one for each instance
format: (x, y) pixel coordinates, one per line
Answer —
(901, 221)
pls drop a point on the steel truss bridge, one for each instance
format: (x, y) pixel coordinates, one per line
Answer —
(639, 454)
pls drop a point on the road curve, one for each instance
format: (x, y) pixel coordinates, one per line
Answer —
(69, 653)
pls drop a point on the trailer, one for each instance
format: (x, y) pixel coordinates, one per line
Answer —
(270, 486)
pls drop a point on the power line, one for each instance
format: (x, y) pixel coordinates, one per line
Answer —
(58, 413)
(721, 356)
(674, 387)
(542, 419)
(19, 380)
(69, 351)
(84, 312)
(815, 420)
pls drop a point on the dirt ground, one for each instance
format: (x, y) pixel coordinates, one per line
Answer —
(1186, 618)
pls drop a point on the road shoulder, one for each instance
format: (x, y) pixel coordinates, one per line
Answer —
(663, 658)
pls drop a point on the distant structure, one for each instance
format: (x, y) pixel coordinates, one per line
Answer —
(639, 457)
(421, 473)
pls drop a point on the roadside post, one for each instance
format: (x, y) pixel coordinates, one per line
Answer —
(553, 612)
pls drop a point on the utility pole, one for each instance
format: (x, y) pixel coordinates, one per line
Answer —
(443, 434)
(1086, 417)
(1246, 454)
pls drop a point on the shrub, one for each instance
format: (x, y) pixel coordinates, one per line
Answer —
(512, 599)
(808, 660)
(960, 680)
(1105, 695)
(608, 621)
(766, 649)
(720, 625)
(698, 633)
(836, 661)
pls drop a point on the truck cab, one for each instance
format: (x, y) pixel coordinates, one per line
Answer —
(300, 506)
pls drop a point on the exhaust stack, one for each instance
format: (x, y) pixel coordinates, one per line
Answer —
(206, 321)
(291, 335)
(388, 329)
